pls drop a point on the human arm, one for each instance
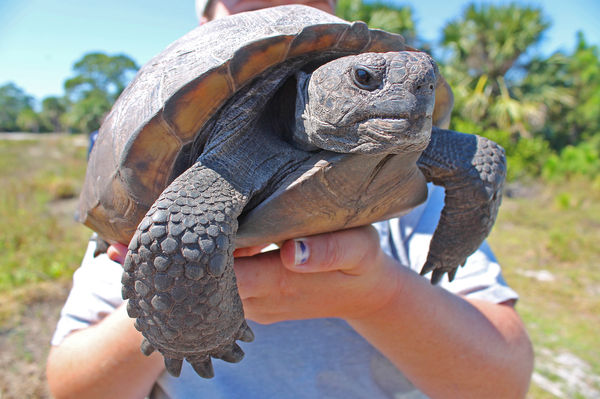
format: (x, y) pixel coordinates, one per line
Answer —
(103, 361)
(96, 349)
(446, 345)
(473, 345)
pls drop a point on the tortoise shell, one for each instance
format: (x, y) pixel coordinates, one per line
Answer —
(156, 121)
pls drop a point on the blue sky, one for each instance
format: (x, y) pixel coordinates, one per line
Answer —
(41, 39)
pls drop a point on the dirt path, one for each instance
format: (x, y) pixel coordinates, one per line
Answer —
(25, 341)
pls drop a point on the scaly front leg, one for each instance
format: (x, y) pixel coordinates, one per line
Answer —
(179, 276)
(472, 169)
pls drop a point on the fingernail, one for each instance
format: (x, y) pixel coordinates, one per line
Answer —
(302, 253)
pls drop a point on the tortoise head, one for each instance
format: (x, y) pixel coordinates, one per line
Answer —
(369, 103)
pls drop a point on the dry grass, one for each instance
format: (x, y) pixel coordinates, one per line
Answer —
(547, 243)
(40, 180)
(41, 245)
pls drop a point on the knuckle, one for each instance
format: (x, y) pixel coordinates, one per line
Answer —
(333, 252)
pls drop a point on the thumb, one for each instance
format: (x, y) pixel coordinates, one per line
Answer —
(344, 250)
(117, 252)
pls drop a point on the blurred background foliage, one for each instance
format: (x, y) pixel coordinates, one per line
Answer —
(97, 82)
(543, 110)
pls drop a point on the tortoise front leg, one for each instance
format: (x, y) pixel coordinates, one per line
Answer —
(472, 169)
(179, 276)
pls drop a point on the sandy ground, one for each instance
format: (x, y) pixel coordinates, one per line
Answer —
(25, 341)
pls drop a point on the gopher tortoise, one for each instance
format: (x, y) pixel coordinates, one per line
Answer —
(291, 122)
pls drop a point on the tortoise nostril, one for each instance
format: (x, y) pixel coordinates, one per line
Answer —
(431, 87)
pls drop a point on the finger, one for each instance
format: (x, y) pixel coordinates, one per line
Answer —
(344, 250)
(117, 252)
(248, 251)
(258, 275)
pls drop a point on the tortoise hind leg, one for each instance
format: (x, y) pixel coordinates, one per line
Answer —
(472, 170)
(179, 275)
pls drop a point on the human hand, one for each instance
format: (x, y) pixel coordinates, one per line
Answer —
(342, 274)
(117, 252)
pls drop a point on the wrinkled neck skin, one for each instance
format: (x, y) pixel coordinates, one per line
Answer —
(394, 116)
(303, 129)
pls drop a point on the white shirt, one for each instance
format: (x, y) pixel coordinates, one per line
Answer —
(321, 358)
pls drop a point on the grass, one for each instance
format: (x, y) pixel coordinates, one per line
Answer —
(40, 181)
(555, 229)
(551, 228)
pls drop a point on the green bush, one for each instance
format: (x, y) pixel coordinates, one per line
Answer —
(527, 157)
(580, 160)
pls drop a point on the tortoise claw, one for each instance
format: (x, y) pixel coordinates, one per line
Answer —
(437, 275)
(204, 368)
(245, 334)
(427, 267)
(146, 347)
(452, 274)
(173, 366)
(232, 354)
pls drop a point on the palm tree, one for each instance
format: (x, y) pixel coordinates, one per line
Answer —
(486, 44)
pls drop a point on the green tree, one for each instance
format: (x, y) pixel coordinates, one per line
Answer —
(13, 101)
(100, 72)
(86, 114)
(582, 121)
(568, 85)
(29, 121)
(52, 113)
(485, 43)
(489, 39)
(380, 15)
(99, 80)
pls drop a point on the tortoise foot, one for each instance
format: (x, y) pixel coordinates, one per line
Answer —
(202, 366)
(146, 347)
(173, 366)
(438, 272)
(245, 333)
(202, 363)
(179, 278)
(472, 170)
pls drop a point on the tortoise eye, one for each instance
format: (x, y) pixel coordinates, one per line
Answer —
(364, 78)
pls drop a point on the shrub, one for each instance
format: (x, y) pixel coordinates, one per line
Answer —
(580, 160)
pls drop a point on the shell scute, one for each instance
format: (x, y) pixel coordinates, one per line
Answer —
(253, 59)
(315, 39)
(382, 41)
(144, 167)
(356, 36)
(189, 108)
(113, 221)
